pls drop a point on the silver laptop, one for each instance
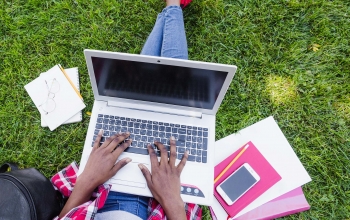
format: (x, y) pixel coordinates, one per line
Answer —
(155, 98)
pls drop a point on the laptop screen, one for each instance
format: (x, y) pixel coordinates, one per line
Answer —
(184, 86)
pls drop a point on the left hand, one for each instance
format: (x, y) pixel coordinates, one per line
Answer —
(101, 165)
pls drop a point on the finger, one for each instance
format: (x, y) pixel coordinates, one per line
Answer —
(163, 153)
(153, 157)
(116, 141)
(110, 139)
(173, 154)
(146, 174)
(121, 148)
(182, 162)
(98, 140)
(120, 164)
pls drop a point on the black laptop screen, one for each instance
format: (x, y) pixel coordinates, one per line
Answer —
(159, 83)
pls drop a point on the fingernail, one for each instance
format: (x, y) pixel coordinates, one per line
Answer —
(127, 132)
(128, 160)
(140, 166)
(187, 152)
(172, 138)
(100, 132)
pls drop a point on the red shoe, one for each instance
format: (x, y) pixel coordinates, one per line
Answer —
(184, 3)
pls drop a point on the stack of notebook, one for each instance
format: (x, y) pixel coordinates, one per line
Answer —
(56, 95)
(278, 192)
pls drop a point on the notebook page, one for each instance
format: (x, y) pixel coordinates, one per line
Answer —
(57, 106)
(74, 76)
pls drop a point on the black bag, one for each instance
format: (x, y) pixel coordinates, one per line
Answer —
(27, 194)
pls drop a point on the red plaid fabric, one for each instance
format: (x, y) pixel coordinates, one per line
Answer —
(64, 182)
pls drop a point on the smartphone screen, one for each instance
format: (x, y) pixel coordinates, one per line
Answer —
(238, 183)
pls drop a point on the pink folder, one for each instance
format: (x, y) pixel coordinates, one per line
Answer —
(286, 204)
(268, 177)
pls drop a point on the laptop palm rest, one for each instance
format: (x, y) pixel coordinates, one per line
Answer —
(130, 175)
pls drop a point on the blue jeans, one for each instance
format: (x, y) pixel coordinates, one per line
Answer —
(167, 39)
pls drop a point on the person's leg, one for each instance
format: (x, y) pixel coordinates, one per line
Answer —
(153, 45)
(174, 36)
(133, 204)
(168, 38)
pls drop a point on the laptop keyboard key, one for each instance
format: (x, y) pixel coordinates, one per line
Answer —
(117, 128)
(124, 123)
(179, 156)
(118, 122)
(189, 138)
(136, 125)
(199, 139)
(155, 133)
(123, 129)
(137, 131)
(105, 121)
(106, 116)
(155, 127)
(137, 150)
(98, 126)
(99, 120)
(134, 144)
(149, 127)
(161, 134)
(149, 133)
(205, 143)
(100, 115)
(182, 138)
(138, 137)
(174, 130)
(199, 133)
(194, 133)
(111, 128)
(182, 131)
(199, 146)
(205, 129)
(180, 143)
(96, 131)
(198, 159)
(168, 135)
(143, 126)
(112, 122)
(131, 124)
(140, 144)
(181, 150)
(205, 134)
(131, 130)
(150, 139)
(105, 127)
(191, 158)
(189, 132)
(188, 144)
(168, 129)
(193, 151)
(157, 139)
(144, 138)
(106, 133)
(143, 132)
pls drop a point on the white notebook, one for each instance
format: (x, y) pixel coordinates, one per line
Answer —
(73, 74)
(54, 97)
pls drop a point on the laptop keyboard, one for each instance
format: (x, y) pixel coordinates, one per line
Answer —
(142, 132)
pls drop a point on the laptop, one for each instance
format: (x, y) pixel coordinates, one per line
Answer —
(155, 98)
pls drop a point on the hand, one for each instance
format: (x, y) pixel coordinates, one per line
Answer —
(100, 167)
(164, 182)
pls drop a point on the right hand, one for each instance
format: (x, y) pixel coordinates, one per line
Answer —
(164, 182)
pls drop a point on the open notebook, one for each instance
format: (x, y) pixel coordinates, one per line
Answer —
(73, 74)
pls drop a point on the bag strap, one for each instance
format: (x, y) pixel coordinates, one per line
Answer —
(4, 167)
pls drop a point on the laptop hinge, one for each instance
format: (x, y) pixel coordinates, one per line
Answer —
(157, 109)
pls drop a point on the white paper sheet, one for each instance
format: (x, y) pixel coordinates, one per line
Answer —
(66, 101)
(269, 139)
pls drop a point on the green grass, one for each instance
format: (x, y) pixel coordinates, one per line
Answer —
(273, 43)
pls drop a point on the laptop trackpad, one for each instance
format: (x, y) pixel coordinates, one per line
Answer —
(130, 175)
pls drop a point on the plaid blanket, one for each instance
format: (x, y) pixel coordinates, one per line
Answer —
(64, 181)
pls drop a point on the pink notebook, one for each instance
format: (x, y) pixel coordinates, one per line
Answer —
(286, 204)
(268, 177)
